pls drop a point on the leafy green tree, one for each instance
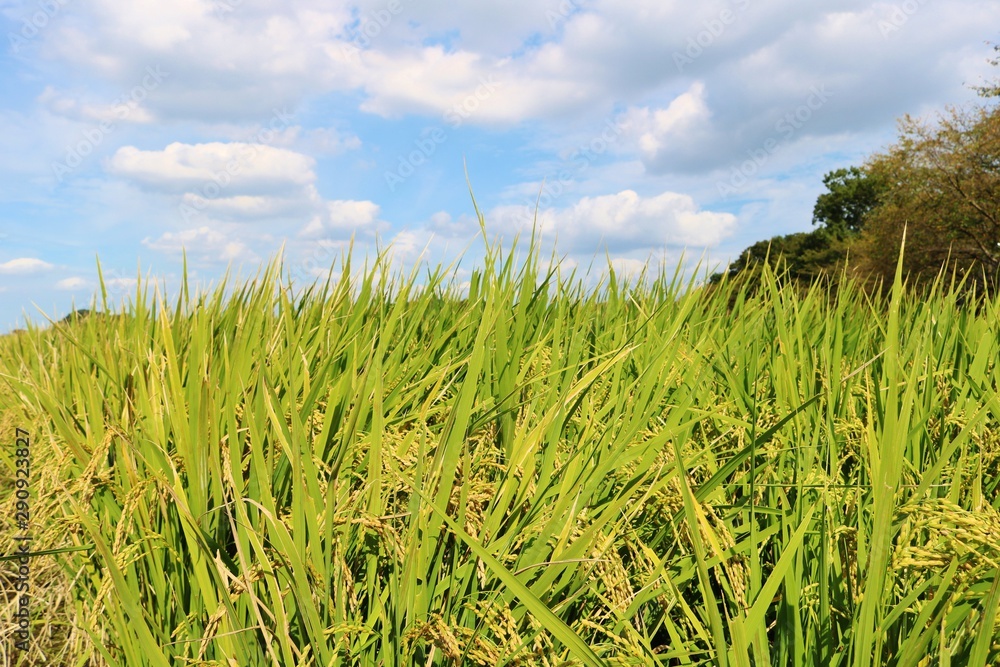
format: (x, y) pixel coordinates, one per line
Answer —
(943, 186)
(852, 194)
(800, 257)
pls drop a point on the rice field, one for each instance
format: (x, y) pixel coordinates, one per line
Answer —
(525, 472)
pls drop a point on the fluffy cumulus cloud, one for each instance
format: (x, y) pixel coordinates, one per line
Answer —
(783, 73)
(684, 125)
(230, 182)
(464, 86)
(496, 29)
(701, 86)
(218, 186)
(224, 59)
(235, 168)
(207, 242)
(221, 59)
(623, 222)
(126, 108)
(23, 265)
(72, 283)
(228, 59)
(343, 217)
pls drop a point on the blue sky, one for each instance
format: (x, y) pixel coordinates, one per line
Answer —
(231, 128)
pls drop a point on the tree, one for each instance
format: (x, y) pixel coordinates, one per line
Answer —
(852, 194)
(801, 257)
(943, 185)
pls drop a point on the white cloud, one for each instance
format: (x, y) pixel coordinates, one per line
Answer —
(238, 63)
(494, 28)
(236, 182)
(220, 64)
(278, 132)
(342, 217)
(123, 108)
(71, 284)
(236, 167)
(250, 208)
(352, 214)
(210, 244)
(547, 59)
(408, 245)
(463, 86)
(623, 222)
(23, 265)
(685, 122)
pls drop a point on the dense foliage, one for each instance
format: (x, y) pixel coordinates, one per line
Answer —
(945, 190)
(852, 194)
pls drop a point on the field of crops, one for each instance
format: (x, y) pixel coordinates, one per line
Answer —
(526, 473)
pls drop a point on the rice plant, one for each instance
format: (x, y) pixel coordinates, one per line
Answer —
(393, 471)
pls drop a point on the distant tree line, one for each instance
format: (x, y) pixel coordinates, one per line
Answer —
(940, 181)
